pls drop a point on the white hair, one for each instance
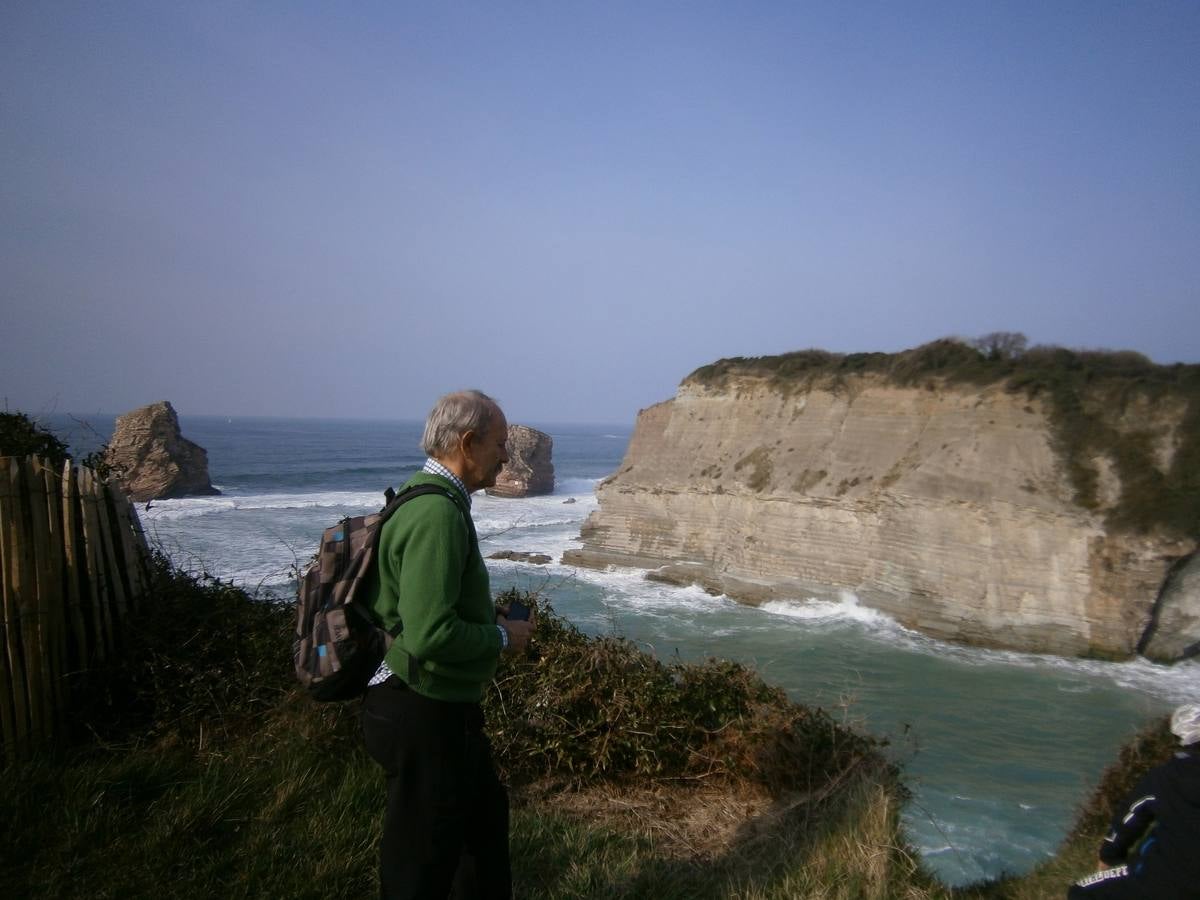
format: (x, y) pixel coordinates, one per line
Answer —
(453, 416)
(1185, 724)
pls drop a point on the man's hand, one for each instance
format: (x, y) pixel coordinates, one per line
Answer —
(519, 630)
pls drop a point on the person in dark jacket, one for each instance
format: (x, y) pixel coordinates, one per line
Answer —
(1166, 804)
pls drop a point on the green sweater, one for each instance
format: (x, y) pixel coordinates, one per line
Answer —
(433, 579)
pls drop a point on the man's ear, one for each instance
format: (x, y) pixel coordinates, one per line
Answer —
(466, 442)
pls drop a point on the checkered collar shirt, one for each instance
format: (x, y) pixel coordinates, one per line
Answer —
(433, 467)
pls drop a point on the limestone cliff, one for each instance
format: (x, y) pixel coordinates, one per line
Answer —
(954, 507)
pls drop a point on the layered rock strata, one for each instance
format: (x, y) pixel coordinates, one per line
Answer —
(946, 507)
(529, 471)
(154, 460)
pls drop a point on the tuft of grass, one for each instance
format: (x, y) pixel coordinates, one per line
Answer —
(844, 847)
(254, 817)
(199, 657)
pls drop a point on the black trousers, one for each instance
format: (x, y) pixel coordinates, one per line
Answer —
(445, 832)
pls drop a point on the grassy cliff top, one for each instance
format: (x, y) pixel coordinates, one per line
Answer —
(993, 359)
(1097, 401)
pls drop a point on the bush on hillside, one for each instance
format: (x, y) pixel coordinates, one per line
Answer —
(583, 709)
(22, 436)
(199, 655)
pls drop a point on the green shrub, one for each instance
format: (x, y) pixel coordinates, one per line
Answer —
(22, 436)
(199, 654)
(582, 709)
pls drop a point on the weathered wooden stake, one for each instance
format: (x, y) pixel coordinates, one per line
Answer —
(56, 612)
(44, 596)
(75, 565)
(120, 605)
(10, 684)
(101, 620)
(135, 562)
(27, 610)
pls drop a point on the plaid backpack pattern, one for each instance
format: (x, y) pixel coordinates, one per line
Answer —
(338, 644)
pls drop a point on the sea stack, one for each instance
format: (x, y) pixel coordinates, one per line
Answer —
(154, 460)
(529, 471)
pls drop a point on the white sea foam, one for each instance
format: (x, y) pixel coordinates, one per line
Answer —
(1172, 684)
(934, 851)
(629, 588)
(535, 524)
(845, 609)
(190, 507)
(1176, 683)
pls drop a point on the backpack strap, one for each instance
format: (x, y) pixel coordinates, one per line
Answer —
(395, 501)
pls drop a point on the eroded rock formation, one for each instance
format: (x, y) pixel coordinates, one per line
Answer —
(537, 559)
(947, 506)
(529, 471)
(154, 459)
(1174, 629)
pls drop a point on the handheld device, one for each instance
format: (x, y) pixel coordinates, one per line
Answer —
(517, 610)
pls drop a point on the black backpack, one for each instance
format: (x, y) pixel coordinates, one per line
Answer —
(338, 644)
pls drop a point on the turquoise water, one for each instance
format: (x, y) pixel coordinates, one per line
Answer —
(999, 748)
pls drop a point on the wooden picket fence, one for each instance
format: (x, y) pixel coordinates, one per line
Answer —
(73, 566)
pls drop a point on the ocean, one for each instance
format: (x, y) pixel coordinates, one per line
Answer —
(999, 748)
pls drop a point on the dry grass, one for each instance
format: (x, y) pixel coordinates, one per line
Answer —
(726, 840)
(684, 823)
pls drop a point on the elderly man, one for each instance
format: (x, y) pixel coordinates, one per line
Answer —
(445, 832)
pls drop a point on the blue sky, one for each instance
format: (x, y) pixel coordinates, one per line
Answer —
(348, 209)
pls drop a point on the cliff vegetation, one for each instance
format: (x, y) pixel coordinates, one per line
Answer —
(1096, 400)
(22, 435)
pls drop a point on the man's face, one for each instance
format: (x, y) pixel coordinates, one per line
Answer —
(486, 454)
